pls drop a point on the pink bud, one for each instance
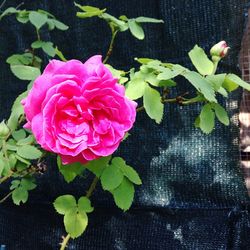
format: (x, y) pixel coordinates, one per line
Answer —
(219, 50)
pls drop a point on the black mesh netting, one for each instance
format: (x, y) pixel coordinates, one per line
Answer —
(193, 194)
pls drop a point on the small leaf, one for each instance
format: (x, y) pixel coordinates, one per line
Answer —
(201, 84)
(8, 11)
(37, 44)
(19, 195)
(207, 119)
(201, 61)
(75, 223)
(231, 82)
(49, 49)
(70, 171)
(97, 166)
(143, 19)
(124, 194)
(28, 140)
(136, 29)
(37, 19)
(28, 183)
(152, 103)
(221, 114)
(135, 89)
(25, 72)
(84, 205)
(111, 177)
(59, 25)
(14, 184)
(65, 203)
(131, 174)
(29, 152)
(19, 134)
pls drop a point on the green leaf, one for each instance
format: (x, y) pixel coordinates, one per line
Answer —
(167, 83)
(207, 119)
(19, 195)
(17, 59)
(70, 171)
(216, 80)
(37, 44)
(152, 103)
(201, 61)
(124, 194)
(144, 60)
(75, 223)
(97, 166)
(59, 25)
(8, 11)
(119, 24)
(111, 177)
(221, 114)
(65, 203)
(16, 111)
(37, 19)
(28, 140)
(51, 24)
(201, 84)
(22, 160)
(136, 29)
(49, 49)
(232, 81)
(135, 88)
(14, 184)
(28, 183)
(2, 164)
(22, 16)
(143, 19)
(84, 205)
(25, 72)
(131, 174)
(19, 134)
(29, 152)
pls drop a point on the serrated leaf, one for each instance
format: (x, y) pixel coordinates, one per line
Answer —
(84, 205)
(59, 25)
(17, 59)
(143, 19)
(29, 152)
(131, 174)
(135, 88)
(37, 19)
(65, 203)
(28, 183)
(152, 103)
(19, 195)
(136, 29)
(19, 134)
(201, 61)
(201, 84)
(124, 194)
(111, 177)
(24, 72)
(14, 184)
(37, 44)
(22, 160)
(207, 117)
(70, 171)
(97, 166)
(75, 223)
(221, 114)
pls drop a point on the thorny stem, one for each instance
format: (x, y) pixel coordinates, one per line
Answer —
(111, 45)
(88, 194)
(179, 100)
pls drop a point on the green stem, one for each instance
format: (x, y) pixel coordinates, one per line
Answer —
(5, 178)
(38, 35)
(65, 242)
(215, 67)
(111, 45)
(6, 197)
(88, 194)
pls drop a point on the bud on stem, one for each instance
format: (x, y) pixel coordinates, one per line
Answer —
(4, 130)
(218, 51)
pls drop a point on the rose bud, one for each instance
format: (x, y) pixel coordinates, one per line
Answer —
(219, 50)
(4, 130)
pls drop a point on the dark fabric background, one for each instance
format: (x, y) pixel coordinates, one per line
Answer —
(193, 195)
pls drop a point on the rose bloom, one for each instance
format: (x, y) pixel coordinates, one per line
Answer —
(78, 111)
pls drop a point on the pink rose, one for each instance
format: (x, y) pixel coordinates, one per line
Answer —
(78, 111)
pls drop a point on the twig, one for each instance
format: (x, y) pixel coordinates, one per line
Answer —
(6, 197)
(111, 45)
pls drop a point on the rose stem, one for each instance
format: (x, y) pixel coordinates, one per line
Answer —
(111, 45)
(88, 194)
